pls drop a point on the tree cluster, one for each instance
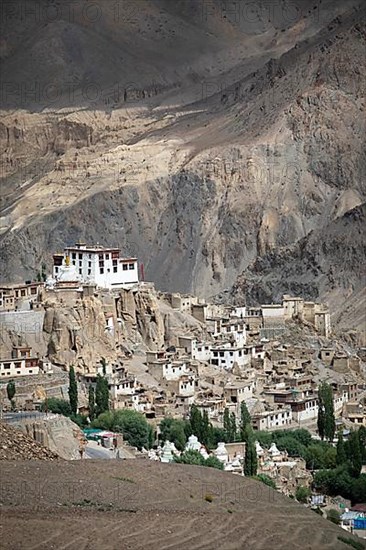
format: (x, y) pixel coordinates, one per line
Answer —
(132, 424)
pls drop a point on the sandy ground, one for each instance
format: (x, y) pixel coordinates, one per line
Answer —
(140, 504)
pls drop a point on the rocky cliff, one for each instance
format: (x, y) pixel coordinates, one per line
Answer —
(221, 138)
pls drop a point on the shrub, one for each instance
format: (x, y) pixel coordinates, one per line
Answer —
(334, 516)
(302, 494)
(358, 545)
(57, 406)
(208, 498)
(266, 480)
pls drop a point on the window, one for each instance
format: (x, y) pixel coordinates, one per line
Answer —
(80, 271)
(125, 267)
(74, 262)
(131, 266)
(6, 365)
(101, 270)
(23, 292)
(33, 290)
(89, 271)
(73, 255)
(80, 256)
(56, 269)
(89, 264)
(30, 372)
(115, 269)
(107, 256)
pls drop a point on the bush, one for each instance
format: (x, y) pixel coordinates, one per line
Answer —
(57, 406)
(214, 462)
(302, 494)
(195, 458)
(266, 480)
(358, 545)
(334, 516)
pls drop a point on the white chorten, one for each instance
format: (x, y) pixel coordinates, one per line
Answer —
(259, 449)
(221, 453)
(273, 450)
(167, 455)
(193, 444)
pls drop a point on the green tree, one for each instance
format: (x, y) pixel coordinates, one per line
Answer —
(73, 391)
(326, 418)
(245, 421)
(358, 489)
(205, 429)
(132, 424)
(321, 415)
(354, 454)
(232, 427)
(101, 395)
(341, 451)
(57, 406)
(227, 425)
(173, 430)
(91, 400)
(195, 419)
(362, 438)
(11, 390)
(103, 362)
(134, 427)
(250, 460)
(302, 494)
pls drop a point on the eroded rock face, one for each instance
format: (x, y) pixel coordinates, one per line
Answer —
(142, 320)
(104, 326)
(78, 335)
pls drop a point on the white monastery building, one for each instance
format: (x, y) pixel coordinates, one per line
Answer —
(103, 267)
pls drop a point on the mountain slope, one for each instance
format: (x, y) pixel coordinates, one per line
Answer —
(212, 140)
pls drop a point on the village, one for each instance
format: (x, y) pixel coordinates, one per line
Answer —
(272, 357)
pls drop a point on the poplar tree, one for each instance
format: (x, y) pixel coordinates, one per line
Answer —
(232, 427)
(341, 457)
(326, 418)
(91, 403)
(354, 454)
(245, 421)
(227, 425)
(101, 395)
(195, 419)
(250, 460)
(73, 391)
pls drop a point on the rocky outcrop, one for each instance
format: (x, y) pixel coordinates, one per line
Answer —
(77, 335)
(58, 434)
(142, 321)
(15, 445)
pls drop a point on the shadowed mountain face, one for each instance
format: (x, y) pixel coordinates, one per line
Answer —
(206, 137)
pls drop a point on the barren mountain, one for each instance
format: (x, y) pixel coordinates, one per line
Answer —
(205, 137)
